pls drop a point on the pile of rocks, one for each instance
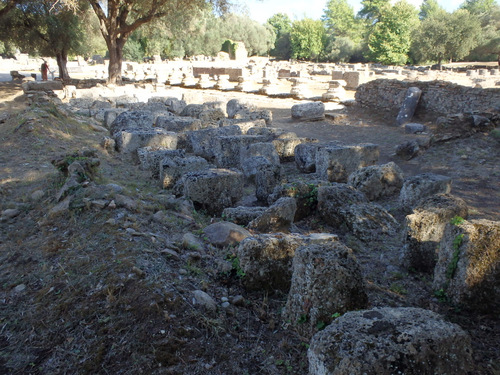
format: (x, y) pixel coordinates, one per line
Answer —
(208, 153)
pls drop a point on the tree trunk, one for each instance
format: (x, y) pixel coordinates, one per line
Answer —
(115, 48)
(62, 61)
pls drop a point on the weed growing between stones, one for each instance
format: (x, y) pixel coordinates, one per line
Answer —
(452, 266)
(235, 266)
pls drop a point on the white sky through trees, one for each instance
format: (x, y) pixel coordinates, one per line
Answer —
(261, 10)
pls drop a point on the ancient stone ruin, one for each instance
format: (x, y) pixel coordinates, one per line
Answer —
(228, 160)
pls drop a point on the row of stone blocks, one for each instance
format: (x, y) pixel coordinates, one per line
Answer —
(323, 275)
(324, 281)
(326, 288)
(216, 189)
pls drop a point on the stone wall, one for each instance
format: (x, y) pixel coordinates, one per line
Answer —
(438, 97)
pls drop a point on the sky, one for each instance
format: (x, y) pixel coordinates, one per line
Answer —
(262, 10)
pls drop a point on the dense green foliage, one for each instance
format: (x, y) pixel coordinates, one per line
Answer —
(307, 39)
(382, 31)
(390, 40)
(282, 26)
(445, 36)
(41, 27)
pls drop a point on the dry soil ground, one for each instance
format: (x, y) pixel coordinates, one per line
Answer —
(93, 290)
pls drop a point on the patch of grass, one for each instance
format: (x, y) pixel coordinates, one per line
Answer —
(398, 288)
(457, 220)
(235, 265)
(193, 270)
(303, 318)
(441, 295)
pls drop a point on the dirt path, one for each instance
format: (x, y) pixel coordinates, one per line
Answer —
(473, 163)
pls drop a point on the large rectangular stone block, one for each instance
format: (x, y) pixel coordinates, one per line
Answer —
(335, 163)
(202, 141)
(128, 141)
(227, 149)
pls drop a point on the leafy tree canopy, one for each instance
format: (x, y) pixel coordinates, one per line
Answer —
(307, 38)
(445, 36)
(478, 7)
(390, 40)
(428, 8)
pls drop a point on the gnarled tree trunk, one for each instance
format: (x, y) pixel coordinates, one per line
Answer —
(115, 48)
(62, 61)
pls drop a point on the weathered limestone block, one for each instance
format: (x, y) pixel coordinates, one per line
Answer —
(242, 215)
(414, 128)
(267, 177)
(269, 133)
(128, 141)
(269, 87)
(223, 234)
(244, 124)
(244, 85)
(125, 101)
(409, 106)
(354, 79)
(300, 89)
(172, 168)
(336, 91)
(175, 105)
(192, 110)
(369, 221)
(424, 230)
(468, 267)
(178, 123)
(69, 92)
(378, 181)
(304, 193)
(214, 189)
(305, 155)
(235, 106)
(204, 82)
(264, 114)
(211, 117)
(387, 341)
(228, 149)
(42, 86)
(408, 150)
(110, 115)
(326, 280)
(336, 162)
(276, 218)
(188, 80)
(223, 83)
(132, 120)
(312, 111)
(202, 141)
(421, 186)
(285, 146)
(98, 109)
(331, 200)
(251, 157)
(266, 259)
(150, 158)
